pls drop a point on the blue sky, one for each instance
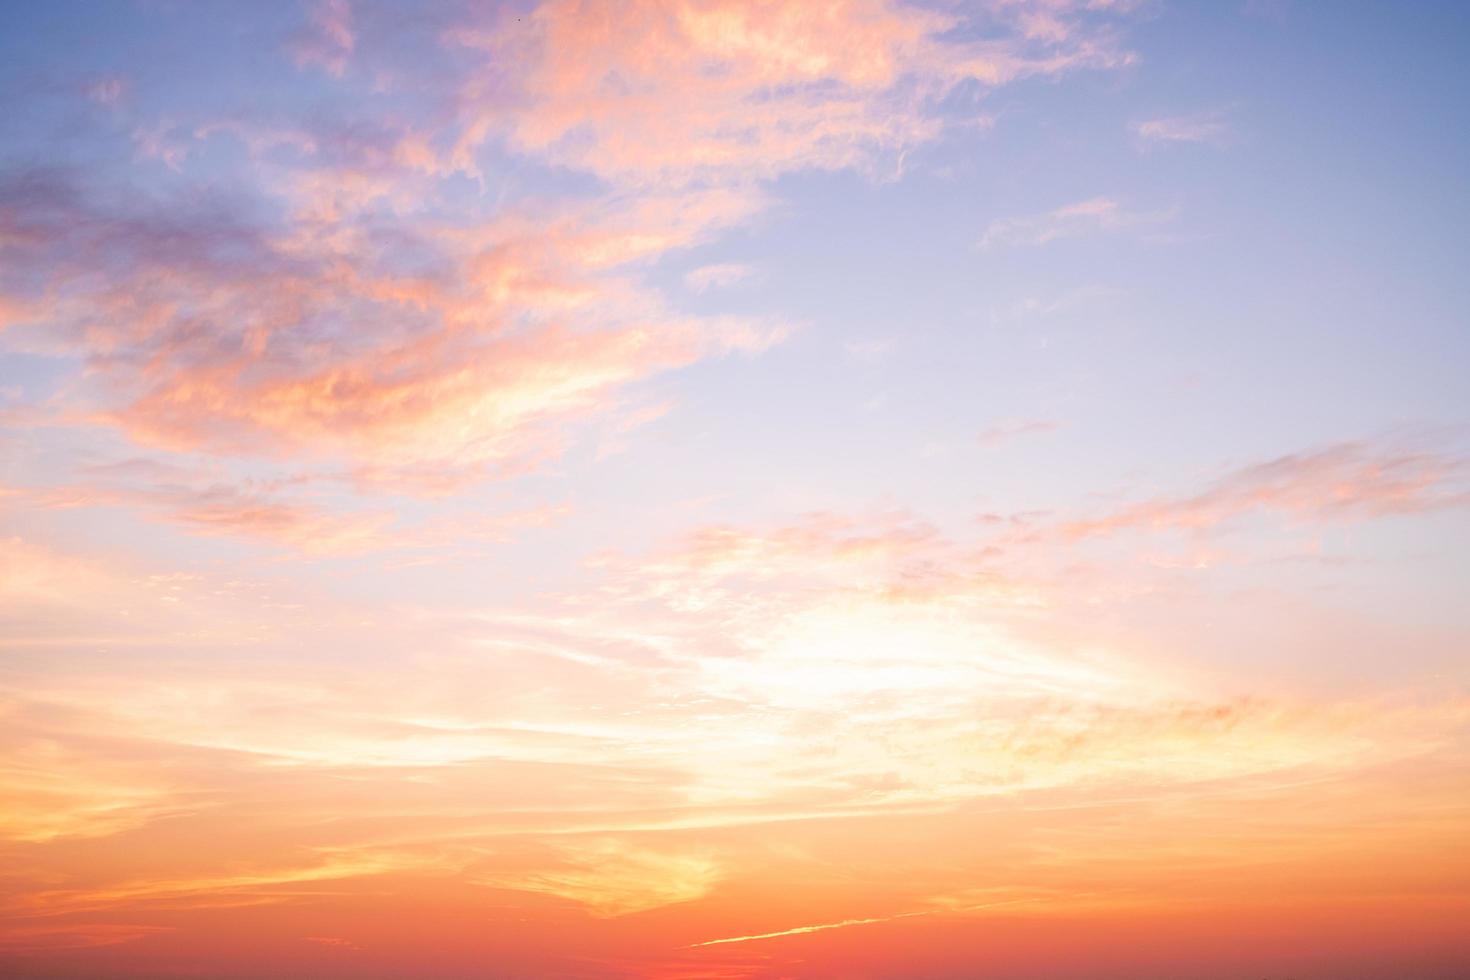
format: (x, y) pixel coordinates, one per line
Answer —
(1038, 423)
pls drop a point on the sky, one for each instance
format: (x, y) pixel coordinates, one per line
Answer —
(735, 489)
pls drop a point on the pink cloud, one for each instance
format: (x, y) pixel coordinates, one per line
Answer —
(1093, 216)
(650, 92)
(284, 329)
(108, 91)
(1346, 482)
(328, 39)
(717, 276)
(821, 542)
(1003, 432)
(219, 335)
(209, 508)
(1204, 128)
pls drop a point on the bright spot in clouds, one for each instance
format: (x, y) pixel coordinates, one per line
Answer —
(707, 488)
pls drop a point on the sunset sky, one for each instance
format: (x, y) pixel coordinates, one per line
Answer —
(735, 489)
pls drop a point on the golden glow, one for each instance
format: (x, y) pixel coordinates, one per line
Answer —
(732, 489)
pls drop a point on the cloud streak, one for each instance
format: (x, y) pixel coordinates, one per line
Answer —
(1206, 128)
(1345, 482)
(1093, 216)
(802, 930)
(443, 520)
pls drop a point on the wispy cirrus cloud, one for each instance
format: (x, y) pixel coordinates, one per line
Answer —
(717, 276)
(42, 938)
(852, 663)
(850, 668)
(328, 39)
(1345, 482)
(1001, 433)
(58, 791)
(610, 878)
(1197, 128)
(411, 303)
(803, 930)
(108, 91)
(208, 505)
(1093, 216)
(476, 367)
(347, 305)
(647, 92)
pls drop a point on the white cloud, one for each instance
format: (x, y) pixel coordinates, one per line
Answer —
(1097, 214)
(717, 276)
(1199, 128)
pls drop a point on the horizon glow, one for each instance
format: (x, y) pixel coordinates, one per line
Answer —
(734, 489)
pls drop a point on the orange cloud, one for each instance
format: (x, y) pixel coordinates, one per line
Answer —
(34, 939)
(727, 741)
(55, 791)
(611, 878)
(750, 713)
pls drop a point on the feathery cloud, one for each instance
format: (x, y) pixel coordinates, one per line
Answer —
(1092, 216)
(1199, 128)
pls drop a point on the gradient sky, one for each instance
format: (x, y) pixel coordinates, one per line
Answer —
(735, 489)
